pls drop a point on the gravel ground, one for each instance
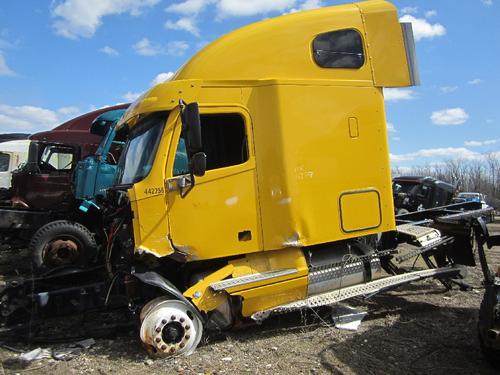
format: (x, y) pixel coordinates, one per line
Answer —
(418, 328)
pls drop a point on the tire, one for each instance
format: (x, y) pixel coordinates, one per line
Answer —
(169, 327)
(487, 321)
(62, 243)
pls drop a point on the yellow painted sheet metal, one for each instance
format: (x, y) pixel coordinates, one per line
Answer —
(202, 296)
(360, 210)
(385, 44)
(277, 48)
(210, 220)
(148, 201)
(206, 299)
(314, 135)
(265, 297)
(314, 160)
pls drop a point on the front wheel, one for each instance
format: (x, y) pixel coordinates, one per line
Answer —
(170, 327)
(62, 243)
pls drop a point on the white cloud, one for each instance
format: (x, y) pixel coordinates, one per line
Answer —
(445, 152)
(176, 48)
(431, 13)
(185, 23)
(397, 139)
(306, 5)
(162, 77)
(4, 68)
(448, 89)
(81, 18)
(394, 95)
(189, 7)
(28, 118)
(240, 8)
(481, 143)
(409, 10)
(487, 2)
(109, 51)
(391, 128)
(69, 111)
(422, 28)
(145, 47)
(131, 96)
(450, 116)
(475, 81)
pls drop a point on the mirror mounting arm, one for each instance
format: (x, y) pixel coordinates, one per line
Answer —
(184, 191)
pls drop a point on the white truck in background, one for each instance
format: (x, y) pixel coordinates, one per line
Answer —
(12, 155)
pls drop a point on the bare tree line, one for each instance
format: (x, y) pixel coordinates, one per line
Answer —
(481, 175)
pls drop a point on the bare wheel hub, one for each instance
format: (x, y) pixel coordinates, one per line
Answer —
(61, 252)
(169, 327)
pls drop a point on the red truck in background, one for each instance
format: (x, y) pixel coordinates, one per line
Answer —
(44, 183)
(42, 188)
(77, 131)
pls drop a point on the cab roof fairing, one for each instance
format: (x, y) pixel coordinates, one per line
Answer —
(280, 49)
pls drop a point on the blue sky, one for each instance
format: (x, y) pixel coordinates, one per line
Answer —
(64, 57)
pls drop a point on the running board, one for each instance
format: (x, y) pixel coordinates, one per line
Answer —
(424, 249)
(370, 288)
(252, 278)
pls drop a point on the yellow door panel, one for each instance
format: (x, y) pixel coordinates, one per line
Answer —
(219, 215)
(147, 197)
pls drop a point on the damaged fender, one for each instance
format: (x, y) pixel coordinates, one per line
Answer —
(154, 279)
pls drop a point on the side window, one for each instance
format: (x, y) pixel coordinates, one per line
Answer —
(181, 165)
(56, 159)
(4, 162)
(224, 143)
(339, 49)
(224, 140)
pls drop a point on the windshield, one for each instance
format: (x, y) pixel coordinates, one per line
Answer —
(137, 160)
(56, 158)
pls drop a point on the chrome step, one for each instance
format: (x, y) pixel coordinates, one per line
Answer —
(425, 236)
(338, 295)
(252, 278)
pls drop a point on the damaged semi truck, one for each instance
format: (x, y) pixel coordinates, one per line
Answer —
(257, 181)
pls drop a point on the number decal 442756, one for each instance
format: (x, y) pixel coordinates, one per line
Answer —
(154, 190)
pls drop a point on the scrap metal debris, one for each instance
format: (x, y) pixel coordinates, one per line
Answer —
(347, 317)
(60, 354)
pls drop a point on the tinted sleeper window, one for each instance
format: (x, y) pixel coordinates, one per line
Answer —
(339, 49)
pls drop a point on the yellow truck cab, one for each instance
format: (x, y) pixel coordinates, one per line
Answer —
(263, 166)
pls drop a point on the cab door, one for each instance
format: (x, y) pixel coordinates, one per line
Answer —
(218, 215)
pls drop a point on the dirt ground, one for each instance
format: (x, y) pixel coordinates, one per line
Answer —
(418, 328)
